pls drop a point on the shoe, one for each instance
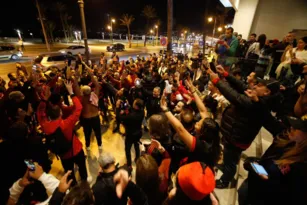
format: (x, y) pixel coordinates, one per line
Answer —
(88, 149)
(220, 184)
(89, 179)
(100, 149)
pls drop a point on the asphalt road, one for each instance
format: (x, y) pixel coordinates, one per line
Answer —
(32, 50)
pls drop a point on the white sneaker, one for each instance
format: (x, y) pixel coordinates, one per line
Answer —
(89, 179)
(100, 149)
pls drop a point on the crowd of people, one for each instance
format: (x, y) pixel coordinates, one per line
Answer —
(200, 117)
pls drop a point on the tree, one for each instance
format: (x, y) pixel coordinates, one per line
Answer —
(126, 20)
(50, 27)
(60, 7)
(42, 24)
(150, 13)
(169, 25)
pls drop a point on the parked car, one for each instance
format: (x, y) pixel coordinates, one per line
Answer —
(74, 50)
(45, 61)
(9, 52)
(116, 47)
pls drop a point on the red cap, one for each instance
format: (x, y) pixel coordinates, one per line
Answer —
(196, 181)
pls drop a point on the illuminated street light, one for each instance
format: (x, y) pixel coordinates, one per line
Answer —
(18, 33)
(219, 29)
(210, 19)
(156, 26)
(226, 26)
(111, 28)
(185, 31)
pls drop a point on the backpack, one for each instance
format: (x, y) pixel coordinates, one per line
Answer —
(57, 142)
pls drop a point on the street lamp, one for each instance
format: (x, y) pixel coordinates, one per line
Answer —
(87, 54)
(157, 34)
(111, 28)
(219, 29)
(18, 33)
(151, 32)
(210, 19)
(226, 26)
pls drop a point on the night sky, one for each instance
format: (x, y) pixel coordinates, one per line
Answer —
(187, 13)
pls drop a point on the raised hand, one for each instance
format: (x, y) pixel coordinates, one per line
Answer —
(68, 86)
(220, 69)
(37, 173)
(46, 93)
(25, 180)
(252, 95)
(163, 103)
(64, 184)
(121, 179)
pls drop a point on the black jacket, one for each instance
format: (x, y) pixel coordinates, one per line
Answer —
(243, 119)
(286, 184)
(105, 194)
(132, 122)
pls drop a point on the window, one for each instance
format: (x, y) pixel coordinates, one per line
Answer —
(59, 58)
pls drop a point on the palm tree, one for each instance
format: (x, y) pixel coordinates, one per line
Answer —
(60, 7)
(50, 27)
(126, 20)
(150, 13)
(169, 25)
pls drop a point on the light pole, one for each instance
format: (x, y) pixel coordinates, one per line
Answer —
(151, 32)
(157, 34)
(111, 28)
(87, 54)
(42, 24)
(210, 19)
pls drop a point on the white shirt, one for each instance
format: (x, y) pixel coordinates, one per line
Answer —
(49, 181)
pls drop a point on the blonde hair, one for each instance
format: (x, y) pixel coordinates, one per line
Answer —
(293, 154)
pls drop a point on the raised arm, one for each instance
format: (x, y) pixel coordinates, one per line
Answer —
(199, 103)
(184, 135)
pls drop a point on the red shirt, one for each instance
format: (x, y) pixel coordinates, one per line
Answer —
(66, 125)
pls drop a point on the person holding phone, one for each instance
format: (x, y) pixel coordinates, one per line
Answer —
(279, 177)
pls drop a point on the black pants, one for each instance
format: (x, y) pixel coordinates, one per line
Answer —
(231, 157)
(129, 141)
(90, 124)
(79, 159)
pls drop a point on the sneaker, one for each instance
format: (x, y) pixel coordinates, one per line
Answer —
(89, 179)
(100, 149)
(219, 184)
(88, 149)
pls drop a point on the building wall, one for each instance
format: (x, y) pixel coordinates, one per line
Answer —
(244, 17)
(277, 17)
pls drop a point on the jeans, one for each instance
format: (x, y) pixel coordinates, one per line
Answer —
(231, 157)
(128, 145)
(90, 124)
(79, 159)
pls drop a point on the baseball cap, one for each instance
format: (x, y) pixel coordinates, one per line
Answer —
(196, 180)
(272, 84)
(106, 159)
(298, 123)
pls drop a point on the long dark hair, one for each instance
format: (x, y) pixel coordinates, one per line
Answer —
(261, 40)
(210, 133)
